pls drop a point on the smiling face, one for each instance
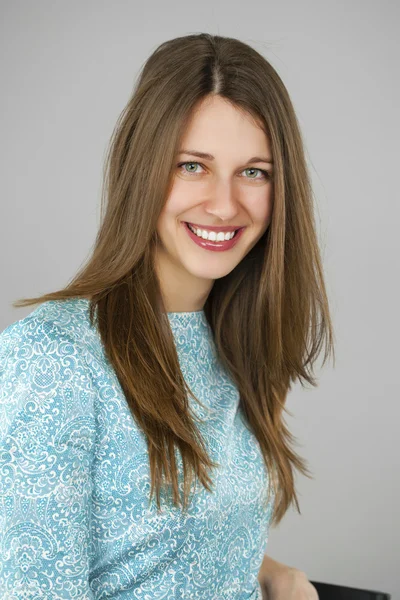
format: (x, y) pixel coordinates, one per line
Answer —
(226, 190)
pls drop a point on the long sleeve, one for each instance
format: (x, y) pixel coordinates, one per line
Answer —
(47, 432)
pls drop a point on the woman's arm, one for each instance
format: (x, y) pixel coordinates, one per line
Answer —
(281, 582)
(269, 569)
(46, 440)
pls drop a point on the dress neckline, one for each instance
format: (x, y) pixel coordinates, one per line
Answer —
(184, 318)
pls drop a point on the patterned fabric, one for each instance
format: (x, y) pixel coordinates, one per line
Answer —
(75, 520)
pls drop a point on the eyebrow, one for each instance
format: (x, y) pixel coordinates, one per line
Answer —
(211, 157)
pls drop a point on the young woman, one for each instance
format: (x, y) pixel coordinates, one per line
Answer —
(143, 448)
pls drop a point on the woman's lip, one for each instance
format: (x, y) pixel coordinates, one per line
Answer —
(212, 228)
(214, 246)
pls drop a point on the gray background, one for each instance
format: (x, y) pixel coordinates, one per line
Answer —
(67, 70)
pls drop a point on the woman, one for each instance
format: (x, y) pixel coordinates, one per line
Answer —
(164, 366)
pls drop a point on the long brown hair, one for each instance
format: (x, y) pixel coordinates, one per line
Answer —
(269, 316)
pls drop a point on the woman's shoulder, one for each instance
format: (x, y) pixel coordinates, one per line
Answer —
(57, 332)
(54, 321)
(45, 373)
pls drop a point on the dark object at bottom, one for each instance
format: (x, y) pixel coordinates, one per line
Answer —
(330, 591)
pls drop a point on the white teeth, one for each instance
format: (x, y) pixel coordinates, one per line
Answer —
(213, 236)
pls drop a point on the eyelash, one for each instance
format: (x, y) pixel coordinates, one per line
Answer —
(267, 174)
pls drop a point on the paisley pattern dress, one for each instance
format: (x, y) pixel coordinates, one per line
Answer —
(75, 518)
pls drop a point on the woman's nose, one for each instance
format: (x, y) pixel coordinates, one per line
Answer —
(223, 201)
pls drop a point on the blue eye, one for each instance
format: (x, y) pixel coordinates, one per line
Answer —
(188, 163)
(266, 174)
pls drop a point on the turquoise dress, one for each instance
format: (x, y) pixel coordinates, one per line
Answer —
(75, 520)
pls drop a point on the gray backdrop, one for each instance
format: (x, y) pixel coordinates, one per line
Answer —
(67, 70)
